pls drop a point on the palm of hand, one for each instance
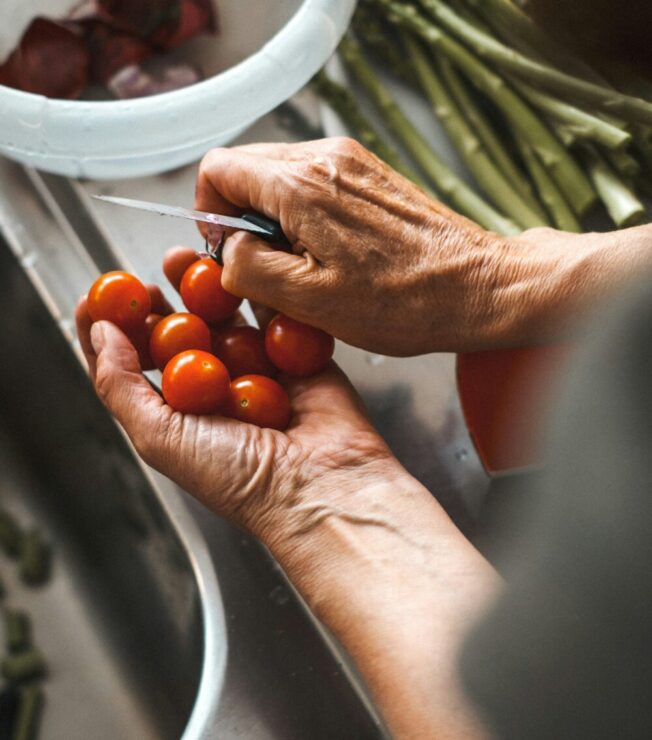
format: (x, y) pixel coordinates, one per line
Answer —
(261, 479)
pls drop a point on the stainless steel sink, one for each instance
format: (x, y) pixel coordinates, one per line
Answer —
(132, 622)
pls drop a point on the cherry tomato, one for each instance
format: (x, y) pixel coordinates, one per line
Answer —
(140, 339)
(177, 333)
(151, 323)
(202, 292)
(242, 350)
(120, 298)
(195, 382)
(176, 261)
(296, 348)
(259, 400)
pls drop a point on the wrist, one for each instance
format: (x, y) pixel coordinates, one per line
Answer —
(372, 529)
(561, 276)
(398, 585)
(467, 276)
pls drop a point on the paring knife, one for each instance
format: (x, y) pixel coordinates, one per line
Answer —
(262, 226)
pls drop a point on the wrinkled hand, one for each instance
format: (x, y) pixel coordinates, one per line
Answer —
(374, 260)
(271, 483)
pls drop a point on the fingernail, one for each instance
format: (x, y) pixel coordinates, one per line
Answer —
(98, 337)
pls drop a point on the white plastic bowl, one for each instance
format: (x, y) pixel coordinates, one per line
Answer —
(131, 138)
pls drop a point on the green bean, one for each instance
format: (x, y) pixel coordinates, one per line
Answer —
(28, 715)
(34, 558)
(18, 630)
(10, 534)
(23, 666)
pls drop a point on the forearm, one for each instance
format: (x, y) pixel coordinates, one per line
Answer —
(398, 585)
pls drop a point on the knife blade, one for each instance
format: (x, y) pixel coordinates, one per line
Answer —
(255, 223)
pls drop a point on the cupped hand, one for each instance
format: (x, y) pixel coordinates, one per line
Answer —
(373, 260)
(271, 483)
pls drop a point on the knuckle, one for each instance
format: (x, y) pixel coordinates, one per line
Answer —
(209, 159)
(331, 164)
(346, 147)
(230, 278)
(541, 232)
(234, 262)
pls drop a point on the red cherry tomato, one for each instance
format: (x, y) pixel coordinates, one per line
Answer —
(140, 339)
(296, 348)
(151, 323)
(195, 382)
(242, 350)
(259, 400)
(120, 298)
(177, 333)
(176, 261)
(202, 292)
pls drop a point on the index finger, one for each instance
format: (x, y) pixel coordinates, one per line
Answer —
(232, 180)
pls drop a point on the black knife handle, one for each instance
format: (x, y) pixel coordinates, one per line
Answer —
(274, 234)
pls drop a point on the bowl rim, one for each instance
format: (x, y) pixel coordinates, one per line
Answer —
(117, 139)
(133, 104)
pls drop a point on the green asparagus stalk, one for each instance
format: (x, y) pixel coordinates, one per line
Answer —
(564, 169)
(644, 150)
(559, 210)
(621, 202)
(518, 29)
(452, 187)
(624, 163)
(493, 144)
(488, 176)
(606, 130)
(343, 102)
(578, 90)
(644, 186)
(375, 34)
(581, 124)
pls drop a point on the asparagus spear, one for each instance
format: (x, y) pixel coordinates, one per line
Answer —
(575, 120)
(606, 130)
(485, 132)
(570, 178)
(644, 186)
(456, 191)
(487, 175)
(559, 210)
(343, 102)
(367, 26)
(621, 202)
(623, 162)
(375, 34)
(586, 93)
(519, 30)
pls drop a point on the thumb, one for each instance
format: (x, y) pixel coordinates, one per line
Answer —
(125, 391)
(283, 281)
